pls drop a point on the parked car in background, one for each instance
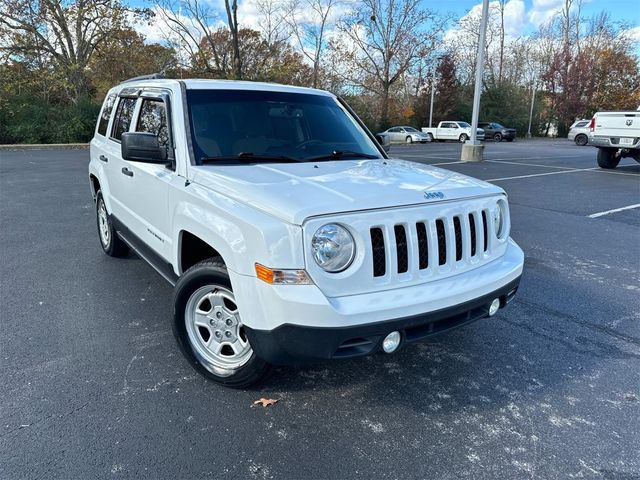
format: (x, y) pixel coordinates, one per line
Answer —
(616, 135)
(497, 131)
(452, 130)
(579, 132)
(405, 134)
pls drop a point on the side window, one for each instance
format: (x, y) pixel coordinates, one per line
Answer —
(153, 119)
(103, 121)
(122, 120)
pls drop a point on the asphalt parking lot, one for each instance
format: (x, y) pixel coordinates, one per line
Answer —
(93, 384)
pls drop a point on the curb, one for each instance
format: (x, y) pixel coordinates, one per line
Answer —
(45, 146)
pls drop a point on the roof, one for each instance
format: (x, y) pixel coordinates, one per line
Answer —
(205, 84)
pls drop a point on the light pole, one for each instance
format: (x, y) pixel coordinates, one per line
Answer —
(433, 88)
(472, 149)
(533, 99)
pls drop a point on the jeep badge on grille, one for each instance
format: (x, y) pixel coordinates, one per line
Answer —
(433, 195)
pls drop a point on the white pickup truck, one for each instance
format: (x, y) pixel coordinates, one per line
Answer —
(616, 135)
(289, 234)
(452, 130)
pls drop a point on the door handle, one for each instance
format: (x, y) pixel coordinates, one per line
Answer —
(103, 158)
(127, 172)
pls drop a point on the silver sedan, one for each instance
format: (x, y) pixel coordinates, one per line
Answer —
(406, 135)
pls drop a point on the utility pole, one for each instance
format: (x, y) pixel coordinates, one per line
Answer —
(472, 149)
(433, 86)
(533, 99)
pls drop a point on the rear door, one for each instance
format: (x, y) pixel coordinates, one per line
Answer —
(119, 182)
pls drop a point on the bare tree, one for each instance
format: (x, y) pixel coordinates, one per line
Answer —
(190, 26)
(273, 26)
(309, 20)
(232, 19)
(383, 40)
(66, 32)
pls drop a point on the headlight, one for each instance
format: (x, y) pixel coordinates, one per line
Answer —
(499, 219)
(333, 247)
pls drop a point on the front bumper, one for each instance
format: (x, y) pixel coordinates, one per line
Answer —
(298, 323)
(295, 344)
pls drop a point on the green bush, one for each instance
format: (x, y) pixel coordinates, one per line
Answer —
(31, 119)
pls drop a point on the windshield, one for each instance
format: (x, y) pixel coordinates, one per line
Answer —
(464, 124)
(497, 125)
(293, 126)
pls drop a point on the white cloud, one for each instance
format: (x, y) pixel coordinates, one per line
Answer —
(515, 21)
(544, 10)
(633, 34)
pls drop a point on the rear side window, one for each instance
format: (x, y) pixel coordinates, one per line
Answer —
(581, 124)
(103, 121)
(122, 120)
(153, 119)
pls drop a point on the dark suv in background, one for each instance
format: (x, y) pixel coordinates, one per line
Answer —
(497, 131)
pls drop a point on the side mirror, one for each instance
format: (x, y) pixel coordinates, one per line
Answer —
(142, 147)
(384, 141)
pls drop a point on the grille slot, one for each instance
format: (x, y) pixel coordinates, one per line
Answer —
(458, 232)
(472, 228)
(377, 246)
(484, 228)
(423, 248)
(442, 242)
(401, 248)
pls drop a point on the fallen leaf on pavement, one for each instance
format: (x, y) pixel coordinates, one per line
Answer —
(265, 402)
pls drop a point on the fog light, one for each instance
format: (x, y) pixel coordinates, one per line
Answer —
(493, 308)
(391, 342)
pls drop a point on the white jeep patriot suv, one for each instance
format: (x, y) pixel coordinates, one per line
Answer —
(289, 234)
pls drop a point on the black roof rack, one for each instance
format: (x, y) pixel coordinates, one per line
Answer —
(152, 76)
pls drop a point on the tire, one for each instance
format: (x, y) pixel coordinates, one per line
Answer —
(510, 139)
(497, 137)
(608, 158)
(408, 140)
(429, 137)
(110, 242)
(463, 138)
(231, 361)
(581, 140)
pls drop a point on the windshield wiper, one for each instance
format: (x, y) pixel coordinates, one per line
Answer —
(249, 157)
(337, 154)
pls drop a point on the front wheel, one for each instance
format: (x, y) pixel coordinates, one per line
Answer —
(581, 140)
(497, 137)
(408, 140)
(608, 158)
(209, 330)
(463, 138)
(429, 137)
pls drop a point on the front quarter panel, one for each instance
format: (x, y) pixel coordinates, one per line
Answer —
(242, 235)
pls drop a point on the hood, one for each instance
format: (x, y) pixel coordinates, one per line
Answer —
(294, 192)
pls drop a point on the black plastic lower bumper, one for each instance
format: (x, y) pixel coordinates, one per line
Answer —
(295, 344)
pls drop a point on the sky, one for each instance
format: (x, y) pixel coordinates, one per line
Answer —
(521, 16)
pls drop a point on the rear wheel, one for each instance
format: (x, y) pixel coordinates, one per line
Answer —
(463, 138)
(408, 140)
(111, 243)
(497, 137)
(209, 330)
(608, 158)
(581, 140)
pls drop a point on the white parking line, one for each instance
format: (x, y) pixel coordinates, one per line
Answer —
(615, 210)
(535, 175)
(530, 164)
